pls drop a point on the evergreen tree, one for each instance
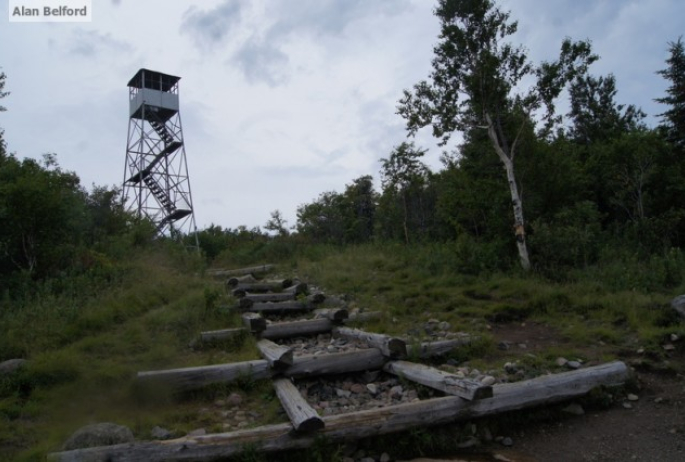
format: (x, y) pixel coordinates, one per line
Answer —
(674, 118)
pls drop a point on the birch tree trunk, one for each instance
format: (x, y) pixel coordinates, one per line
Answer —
(508, 161)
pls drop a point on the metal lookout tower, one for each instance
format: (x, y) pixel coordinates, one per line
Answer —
(156, 182)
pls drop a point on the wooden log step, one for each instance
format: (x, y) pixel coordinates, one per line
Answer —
(240, 271)
(254, 322)
(297, 328)
(440, 347)
(439, 380)
(280, 307)
(316, 298)
(391, 347)
(278, 356)
(222, 334)
(272, 297)
(543, 390)
(303, 417)
(235, 280)
(303, 366)
(334, 314)
(189, 378)
(243, 288)
(297, 288)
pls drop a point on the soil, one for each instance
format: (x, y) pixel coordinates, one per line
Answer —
(652, 429)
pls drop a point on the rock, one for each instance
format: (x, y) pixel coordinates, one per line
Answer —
(342, 393)
(627, 405)
(468, 443)
(367, 459)
(373, 389)
(574, 409)
(385, 457)
(198, 432)
(640, 351)
(396, 391)
(102, 434)
(358, 388)
(573, 365)
(678, 304)
(674, 337)
(11, 366)
(632, 397)
(503, 345)
(159, 433)
(488, 380)
(444, 326)
(668, 347)
(510, 368)
(561, 362)
(234, 399)
(506, 441)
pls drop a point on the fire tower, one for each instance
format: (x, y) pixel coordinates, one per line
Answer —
(156, 182)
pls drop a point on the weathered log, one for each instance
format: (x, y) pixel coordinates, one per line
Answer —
(280, 307)
(391, 347)
(190, 378)
(240, 271)
(254, 322)
(278, 356)
(439, 348)
(365, 316)
(243, 288)
(302, 416)
(334, 314)
(223, 334)
(439, 380)
(303, 366)
(543, 390)
(297, 288)
(273, 297)
(297, 328)
(235, 280)
(336, 363)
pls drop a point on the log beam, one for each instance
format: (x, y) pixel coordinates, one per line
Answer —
(240, 271)
(254, 322)
(334, 314)
(297, 328)
(391, 347)
(222, 334)
(303, 417)
(280, 307)
(439, 380)
(543, 390)
(439, 348)
(273, 297)
(278, 356)
(189, 378)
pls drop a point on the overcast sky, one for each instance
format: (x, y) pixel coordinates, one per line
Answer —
(280, 100)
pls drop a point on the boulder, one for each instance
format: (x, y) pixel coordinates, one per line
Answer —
(10, 366)
(678, 304)
(101, 434)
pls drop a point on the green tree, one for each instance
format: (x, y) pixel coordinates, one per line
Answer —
(403, 175)
(277, 223)
(475, 81)
(674, 117)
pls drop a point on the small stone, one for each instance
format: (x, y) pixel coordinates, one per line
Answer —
(367, 459)
(561, 361)
(385, 457)
(444, 326)
(159, 433)
(674, 337)
(573, 365)
(373, 389)
(632, 397)
(396, 391)
(640, 351)
(234, 399)
(510, 368)
(243, 424)
(342, 393)
(102, 434)
(486, 433)
(219, 403)
(627, 405)
(668, 347)
(488, 380)
(468, 443)
(522, 346)
(503, 345)
(574, 409)
(198, 432)
(658, 400)
(11, 365)
(508, 442)
(358, 388)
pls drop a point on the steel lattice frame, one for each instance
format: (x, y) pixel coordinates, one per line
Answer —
(156, 180)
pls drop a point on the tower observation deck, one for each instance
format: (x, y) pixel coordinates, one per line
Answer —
(156, 181)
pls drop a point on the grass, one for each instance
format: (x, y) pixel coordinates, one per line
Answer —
(85, 347)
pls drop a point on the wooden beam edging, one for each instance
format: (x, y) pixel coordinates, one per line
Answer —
(303, 366)
(543, 390)
(297, 328)
(440, 347)
(439, 380)
(280, 307)
(334, 314)
(302, 416)
(278, 356)
(222, 334)
(240, 271)
(391, 347)
(254, 322)
(270, 297)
